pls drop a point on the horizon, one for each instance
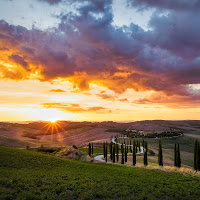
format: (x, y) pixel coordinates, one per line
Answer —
(123, 60)
(130, 121)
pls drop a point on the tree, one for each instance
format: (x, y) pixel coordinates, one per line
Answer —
(175, 159)
(135, 143)
(111, 151)
(122, 152)
(92, 149)
(125, 153)
(113, 159)
(178, 157)
(130, 147)
(160, 156)
(134, 155)
(139, 146)
(196, 155)
(117, 149)
(106, 151)
(145, 155)
(89, 150)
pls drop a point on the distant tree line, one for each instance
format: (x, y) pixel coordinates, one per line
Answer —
(137, 134)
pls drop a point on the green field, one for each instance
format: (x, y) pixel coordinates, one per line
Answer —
(30, 175)
(96, 150)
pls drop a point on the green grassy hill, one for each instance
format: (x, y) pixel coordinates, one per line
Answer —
(30, 175)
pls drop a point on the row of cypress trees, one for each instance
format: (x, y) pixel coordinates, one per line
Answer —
(114, 151)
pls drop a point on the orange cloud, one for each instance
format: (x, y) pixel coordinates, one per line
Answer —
(57, 90)
(75, 108)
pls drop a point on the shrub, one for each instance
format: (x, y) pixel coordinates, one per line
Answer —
(75, 147)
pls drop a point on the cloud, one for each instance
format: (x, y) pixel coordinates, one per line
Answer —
(123, 100)
(166, 4)
(57, 90)
(87, 48)
(175, 101)
(74, 108)
(106, 96)
(51, 2)
(19, 60)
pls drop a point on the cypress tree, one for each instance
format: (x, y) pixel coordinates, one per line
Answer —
(143, 143)
(113, 153)
(175, 159)
(139, 146)
(130, 147)
(198, 160)
(196, 155)
(125, 153)
(106, 151)
(145, 155)
(89, 150)
(92, 149)
(160, 156)
(178, 157)
(134, 156)
(135, 146)
(122, 152)
(117, 148)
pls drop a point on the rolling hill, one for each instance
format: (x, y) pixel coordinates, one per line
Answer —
(30, 175)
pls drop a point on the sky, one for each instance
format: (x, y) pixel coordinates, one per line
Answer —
(99, 60)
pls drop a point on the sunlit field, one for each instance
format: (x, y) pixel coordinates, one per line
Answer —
(30, 175)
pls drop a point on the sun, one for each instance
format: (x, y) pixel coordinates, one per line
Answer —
(53, 120)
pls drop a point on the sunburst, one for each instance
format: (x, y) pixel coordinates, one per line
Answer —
(53, 126)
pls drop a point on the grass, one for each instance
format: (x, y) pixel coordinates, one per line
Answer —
(31, 175)
(96, 150)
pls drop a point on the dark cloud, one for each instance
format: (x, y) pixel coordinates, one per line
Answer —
(19, 60)
(87, 47)
(51, 2)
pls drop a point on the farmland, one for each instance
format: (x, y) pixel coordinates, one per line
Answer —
(31, 175)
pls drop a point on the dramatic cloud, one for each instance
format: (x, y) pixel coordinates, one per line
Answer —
(87, 48)
(19, 60)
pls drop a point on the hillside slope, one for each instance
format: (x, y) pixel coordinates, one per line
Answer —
(31, 175)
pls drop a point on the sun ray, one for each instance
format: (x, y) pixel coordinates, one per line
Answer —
(63, 129)
(46, 131)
